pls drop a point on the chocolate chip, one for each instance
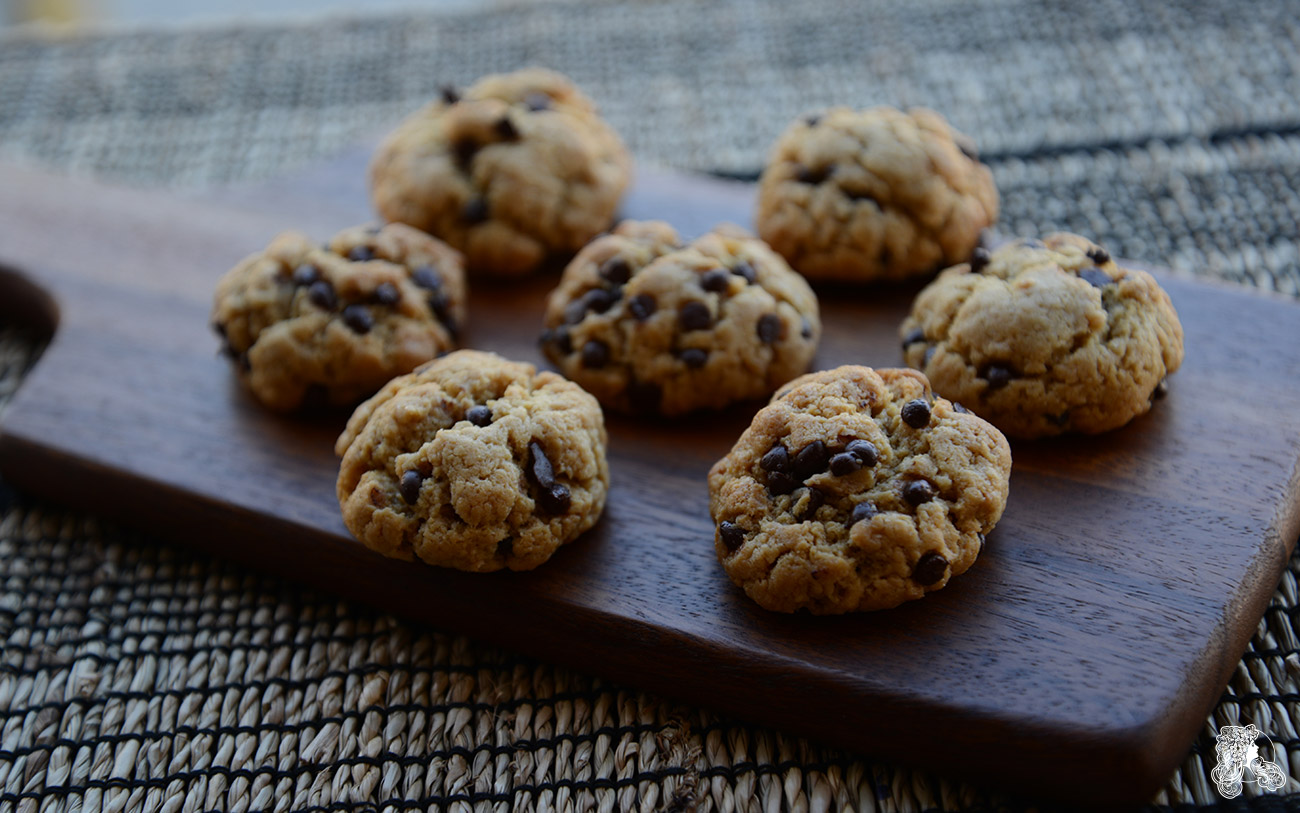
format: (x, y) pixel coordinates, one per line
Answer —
(862, 512)
(539, 465)
(1095, 276)
(1059, 420)
(997, 375)
(475, 212)
(913, 336)
(358, 318)
(386, 293)
(929, 569)
(360, 254)
(806, 330)
(558, 336)
(979, 260)
(596, 299)
(642, 306)
(956, 407)
(409, 485)
(465, 149)
(918, 491)
(305, 274)
(644, 396)
(744, 269)
(929, 354)
(1161, 390)
(449, 94)
(616, 270)
(693, 357)
(556, 499)
(732, 535)
(1099, 255)
(776, 459)
(770, 328)
(862, 194)
(863, 450)
(426, 277)
(916, 413)
(694, 316)
(506, 548)
(716, 280)
(322, 295)
(779, 482)
(813, 119)
(595, 354)
(374, 228)
(537, 102)
(811, 459)
(816, 499)
(479, 415)
(438, 303)
(844, 464)
(505, 128)
(811, 176)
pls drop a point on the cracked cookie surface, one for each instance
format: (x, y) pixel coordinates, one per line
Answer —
(474, 462)
(651, 325)
(856, 489)
(1046, 337)
(519, 168)
(877, 194)
(310, 325)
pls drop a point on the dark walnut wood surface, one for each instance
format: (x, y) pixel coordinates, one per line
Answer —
(1077, 658)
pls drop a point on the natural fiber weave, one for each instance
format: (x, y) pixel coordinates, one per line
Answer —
(134, 674)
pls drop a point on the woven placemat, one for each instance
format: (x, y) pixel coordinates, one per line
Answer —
(137, 675)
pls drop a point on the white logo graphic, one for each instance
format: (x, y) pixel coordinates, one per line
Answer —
(1235, 754)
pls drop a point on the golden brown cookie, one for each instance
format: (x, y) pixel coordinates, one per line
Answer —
(1045, 337)
(856, 489)
(474, 462)
(649, 325)
(519, 168)
(315, 325)
(879, 194)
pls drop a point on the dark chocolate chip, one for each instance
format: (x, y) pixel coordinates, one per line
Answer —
(770, 328)
(916, 413)
(998, 376)
(1161, 390)
(913, 336)
(979, 259)
(811, 176)
(1099, 255)
(305, 274)
(956, 407)
(479, 415)
(475, 212)
(597, 299)
(410, 486)
(811, 459)
(505, 128)
(844, 464)
(716, 280)
(360, 254)
(616, 270)
(595, 354)
(929, 569)
(426, 277)
(438, 303)
(776, 459)
(732, 535)
(813, 119)
(1095, 276)
(449, 94)
(386, 293)
(539, 465)
(744, 269)
(929, 354)
(779, 482)
(322, 295)
(862, 194)
(465, 149)
(1059, 420)
(506, 548)
(537, 102)
(861, 512)
(806, 330)
(644, 396)
(863, 450)
(558, 336)
(642, 306)
(918, 491)
(816, 499)
(358, 318)
(694, 316)
(556, 499)
(693, 357)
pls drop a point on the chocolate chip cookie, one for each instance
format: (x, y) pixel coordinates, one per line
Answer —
(648, 324)
(474, 462)
(856, 489)
(327, 325)
(518, 168)
(879, 194)
(1045, 337)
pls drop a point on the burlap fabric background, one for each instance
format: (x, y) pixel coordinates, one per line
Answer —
(135, 674)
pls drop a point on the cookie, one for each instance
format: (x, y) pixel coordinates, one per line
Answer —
(1045, 337)
(313, 325)
(519, 168)
(856, 489)
(474, 462)
(874, 194)
(650, 325)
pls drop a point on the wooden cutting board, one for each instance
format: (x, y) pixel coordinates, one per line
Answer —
(1077, 659)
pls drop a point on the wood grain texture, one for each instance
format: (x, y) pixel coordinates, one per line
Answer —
(1077, 659)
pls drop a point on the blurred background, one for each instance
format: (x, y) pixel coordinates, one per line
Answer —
(163, 12)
